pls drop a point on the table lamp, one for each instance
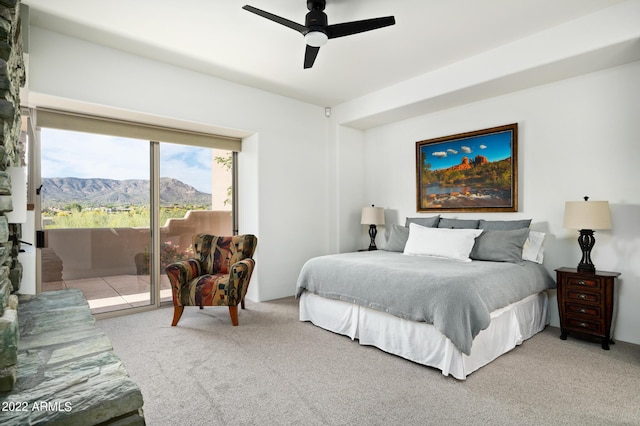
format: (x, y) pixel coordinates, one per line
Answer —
(586, 216)
(372, 216)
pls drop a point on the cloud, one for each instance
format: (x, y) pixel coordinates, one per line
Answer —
(483, 147)
(452, 151)
(191, 165)
(465, 149)
(84, 155)
(440, 154)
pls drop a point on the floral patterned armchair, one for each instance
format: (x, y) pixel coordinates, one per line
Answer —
(218, 276)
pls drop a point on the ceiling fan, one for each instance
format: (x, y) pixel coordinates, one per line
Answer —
(316, 30)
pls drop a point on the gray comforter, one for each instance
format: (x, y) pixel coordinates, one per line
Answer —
(456, 297)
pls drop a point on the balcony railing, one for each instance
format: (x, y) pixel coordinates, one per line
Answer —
(112, 265)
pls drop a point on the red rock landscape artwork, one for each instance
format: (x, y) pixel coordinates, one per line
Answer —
(473, 171)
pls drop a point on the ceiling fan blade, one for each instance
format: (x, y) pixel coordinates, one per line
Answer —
(310, 56)
(275, 18)
(355, 27)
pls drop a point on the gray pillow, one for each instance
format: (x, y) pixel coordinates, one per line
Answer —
(429, 222)
(504, 225)
(500, 245)
(397, 238)
(458, 223)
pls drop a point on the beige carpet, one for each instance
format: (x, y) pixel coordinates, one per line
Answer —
(275, 370)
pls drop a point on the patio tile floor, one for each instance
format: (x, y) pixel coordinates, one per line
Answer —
(107, 294)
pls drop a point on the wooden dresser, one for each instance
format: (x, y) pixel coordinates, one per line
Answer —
(585, 303)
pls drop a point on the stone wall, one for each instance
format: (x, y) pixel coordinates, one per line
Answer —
(68, 373)
(12, 77)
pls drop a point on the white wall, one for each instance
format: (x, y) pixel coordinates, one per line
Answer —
(348, 195)
(283, 171)
(579, 136)
(304, 178)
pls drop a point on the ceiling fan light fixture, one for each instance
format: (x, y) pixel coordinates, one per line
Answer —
(315, 38)
(317, 31)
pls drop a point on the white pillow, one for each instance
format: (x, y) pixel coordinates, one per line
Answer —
(533, 249)
(447, 243)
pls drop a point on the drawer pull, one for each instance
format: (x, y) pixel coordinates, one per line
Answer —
(582, 283)
(582, 324)
(582, 296)
(582, 311)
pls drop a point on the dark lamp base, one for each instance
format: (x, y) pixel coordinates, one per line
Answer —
(586, 241)
(372, 233)
(590, 269)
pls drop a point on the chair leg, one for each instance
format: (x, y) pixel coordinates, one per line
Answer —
(233, 312)
(242, 303)
(177, 313)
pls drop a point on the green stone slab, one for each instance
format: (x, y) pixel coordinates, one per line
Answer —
(89, 391)
(4, 229)
(8, 338)
(83, 348)
(8, 378)
(5, 182)
(67, 371)
(6, 203)
(61, 337)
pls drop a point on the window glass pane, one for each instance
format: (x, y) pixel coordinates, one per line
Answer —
(95, 203)
(195, 197)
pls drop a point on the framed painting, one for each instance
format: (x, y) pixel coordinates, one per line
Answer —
(469, 172)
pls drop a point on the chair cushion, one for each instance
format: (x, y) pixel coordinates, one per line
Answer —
(210, 290)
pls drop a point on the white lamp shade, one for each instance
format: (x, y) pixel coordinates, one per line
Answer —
(587, 215)
(372, 216)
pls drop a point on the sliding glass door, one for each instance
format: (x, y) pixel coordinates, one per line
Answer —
(195, 197)
(95, 213)
(104, 198)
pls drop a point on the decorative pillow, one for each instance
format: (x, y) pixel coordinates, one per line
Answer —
(397, 238)
(504, 225)
(458, 223)
(533, 249)
(455, 244)
(429, 222)
(500, 246)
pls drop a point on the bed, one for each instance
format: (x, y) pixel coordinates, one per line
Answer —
(435, 302)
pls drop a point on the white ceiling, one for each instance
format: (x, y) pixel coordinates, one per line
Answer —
(219, 38)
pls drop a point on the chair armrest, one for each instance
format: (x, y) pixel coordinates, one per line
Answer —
(180, 274)
(239, 276)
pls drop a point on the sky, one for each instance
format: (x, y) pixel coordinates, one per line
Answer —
(443, 155)
(86, 155)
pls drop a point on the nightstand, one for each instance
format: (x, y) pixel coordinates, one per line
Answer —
(585, 303)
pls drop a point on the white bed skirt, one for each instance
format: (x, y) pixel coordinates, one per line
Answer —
(423, 343)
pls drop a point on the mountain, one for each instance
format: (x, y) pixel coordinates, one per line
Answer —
(97, 192)
(466, 164)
